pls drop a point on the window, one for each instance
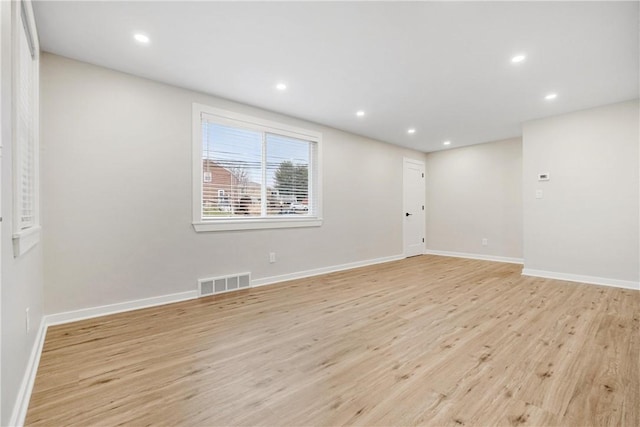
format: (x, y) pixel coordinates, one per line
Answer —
(250, 173)
(25, 155)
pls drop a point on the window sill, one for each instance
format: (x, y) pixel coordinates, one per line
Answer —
(257, 224)
(25, 240)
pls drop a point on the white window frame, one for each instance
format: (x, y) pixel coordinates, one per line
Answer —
(250, 122)
(25, 236)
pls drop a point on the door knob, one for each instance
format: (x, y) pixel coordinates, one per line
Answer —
(407, 214)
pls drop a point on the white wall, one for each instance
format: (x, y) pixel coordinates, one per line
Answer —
(21, 277)
(116, 170)
(587, 221)
(474, 193)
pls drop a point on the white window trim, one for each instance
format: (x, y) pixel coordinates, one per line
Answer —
(249, 122)
(27, 238)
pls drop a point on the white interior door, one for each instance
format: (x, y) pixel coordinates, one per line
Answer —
(413, 215)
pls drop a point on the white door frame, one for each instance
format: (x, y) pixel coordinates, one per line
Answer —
(422, 213)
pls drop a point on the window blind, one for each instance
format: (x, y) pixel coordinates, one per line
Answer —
(232, 171)
(25, 133)
(248, 172)
(289, 164)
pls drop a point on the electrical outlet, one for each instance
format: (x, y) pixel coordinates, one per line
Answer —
(27, 321)
(272, 257)
(485, 242)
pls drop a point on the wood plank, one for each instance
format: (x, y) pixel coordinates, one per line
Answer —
(424, 341)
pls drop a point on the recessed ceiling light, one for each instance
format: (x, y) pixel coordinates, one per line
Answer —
(551, 96)
(411, 131)
(518, 58)
(142, 38)
(281, 86)
(360, 113)
(447, 143)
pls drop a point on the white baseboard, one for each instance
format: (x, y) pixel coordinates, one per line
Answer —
(475, 256)
(592, 280)
(324, 270)
(88, 313)
(26, 386)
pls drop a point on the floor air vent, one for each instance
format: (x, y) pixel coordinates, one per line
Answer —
(218, 285)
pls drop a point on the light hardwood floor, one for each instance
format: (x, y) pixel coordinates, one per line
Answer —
(428, 340)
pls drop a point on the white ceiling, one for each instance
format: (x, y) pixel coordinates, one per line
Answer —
(441, 68)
